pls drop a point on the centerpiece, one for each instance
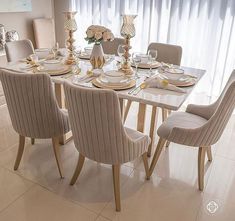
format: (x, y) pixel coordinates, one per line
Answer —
(96, 34)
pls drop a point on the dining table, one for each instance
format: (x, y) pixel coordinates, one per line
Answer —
(155, 97)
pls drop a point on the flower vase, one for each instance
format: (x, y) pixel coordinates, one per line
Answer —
(97, 57)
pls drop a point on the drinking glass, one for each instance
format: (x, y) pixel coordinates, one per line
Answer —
(121, 51)
(55, 49)
(136, 59)
(152, 56)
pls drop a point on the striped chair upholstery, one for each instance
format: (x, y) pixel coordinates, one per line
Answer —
(16, 50)
(98, 131)
(111, 47)
(200, 126)
(33, 108)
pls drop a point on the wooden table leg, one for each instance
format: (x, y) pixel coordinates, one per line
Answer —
(59, 93)
(121, 101)
(141, 117)
(152, 128)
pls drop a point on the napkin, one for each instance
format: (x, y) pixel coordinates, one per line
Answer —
(161, 84)
(89, 75)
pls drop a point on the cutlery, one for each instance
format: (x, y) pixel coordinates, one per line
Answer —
(135, 88)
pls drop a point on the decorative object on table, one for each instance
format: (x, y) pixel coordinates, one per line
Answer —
(70, 26)
(2, 37)
(96, 34)
(128, 32)
(12, 36)
(136, 59)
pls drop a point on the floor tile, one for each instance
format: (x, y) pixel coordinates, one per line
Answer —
(39, 204)
(11, 187)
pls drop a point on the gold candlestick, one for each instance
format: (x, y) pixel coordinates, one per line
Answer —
(128, 32)
(70, 26)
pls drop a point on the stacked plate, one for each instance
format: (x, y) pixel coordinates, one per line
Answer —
(115, 80)
(179, 79)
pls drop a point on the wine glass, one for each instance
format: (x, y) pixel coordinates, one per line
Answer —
(152, 56)
(55, 49)
(121, 51)
(136, 59)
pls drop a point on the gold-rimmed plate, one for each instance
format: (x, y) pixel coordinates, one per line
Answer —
(154, 65)
(96, 82)
(64, 70)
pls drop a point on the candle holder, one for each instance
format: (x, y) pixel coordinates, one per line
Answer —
(128, 32)
(70, 26)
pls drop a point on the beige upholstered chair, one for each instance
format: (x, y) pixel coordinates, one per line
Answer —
(44, 32)
(200, 126)
(167, 53)
(33, 110)
(99, 134)
(111, 47)
(17, 50)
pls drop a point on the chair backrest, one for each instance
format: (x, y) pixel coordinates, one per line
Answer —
(167, 53)
(96, 124)
(32, 104)
(16, 50)
(223, 107)
(111, 47)
(44, 32)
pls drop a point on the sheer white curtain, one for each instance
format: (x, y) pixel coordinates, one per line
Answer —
(204, 28)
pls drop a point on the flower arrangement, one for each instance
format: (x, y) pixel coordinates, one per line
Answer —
(96, 34)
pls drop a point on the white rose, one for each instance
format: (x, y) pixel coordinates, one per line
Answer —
(90, 33)
(98, 35)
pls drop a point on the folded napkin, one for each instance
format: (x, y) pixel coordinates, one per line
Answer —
(89, 75)
(161, 84)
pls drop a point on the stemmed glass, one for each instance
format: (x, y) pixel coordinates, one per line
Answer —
(136, 58)
(55, 49)
(152, 56)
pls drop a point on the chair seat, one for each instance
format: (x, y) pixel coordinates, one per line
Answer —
(137, 136)
(182, 120)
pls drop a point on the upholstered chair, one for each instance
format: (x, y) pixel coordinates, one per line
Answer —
(16, 50)
(170, 54)
(99, 134)
(111, 47)
(33, 110)
(200, 126)
(44, 32)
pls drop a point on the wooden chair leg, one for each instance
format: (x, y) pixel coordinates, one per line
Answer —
(20, 151)
(201, 161)
(32, 141)
(116, 185)
(146, 165)
(164, 114)
(156, 156)
(152, 128)
(78, 169)
(56, 148)
(127, 108)
(209, 154)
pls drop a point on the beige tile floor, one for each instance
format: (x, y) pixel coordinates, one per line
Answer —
(35, 192)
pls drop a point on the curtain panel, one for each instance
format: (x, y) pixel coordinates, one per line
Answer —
(204, 28)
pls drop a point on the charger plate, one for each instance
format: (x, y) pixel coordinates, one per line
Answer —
(147, 66)
(64, 70)
(96, 82)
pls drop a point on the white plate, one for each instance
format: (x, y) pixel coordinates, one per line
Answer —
(174, 70)
(102, 79)
(61, 68)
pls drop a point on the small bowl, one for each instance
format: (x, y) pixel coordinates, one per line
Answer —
(114, 76)
(144, 58)
(88, 50)
(42, 52)
(52, 65)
